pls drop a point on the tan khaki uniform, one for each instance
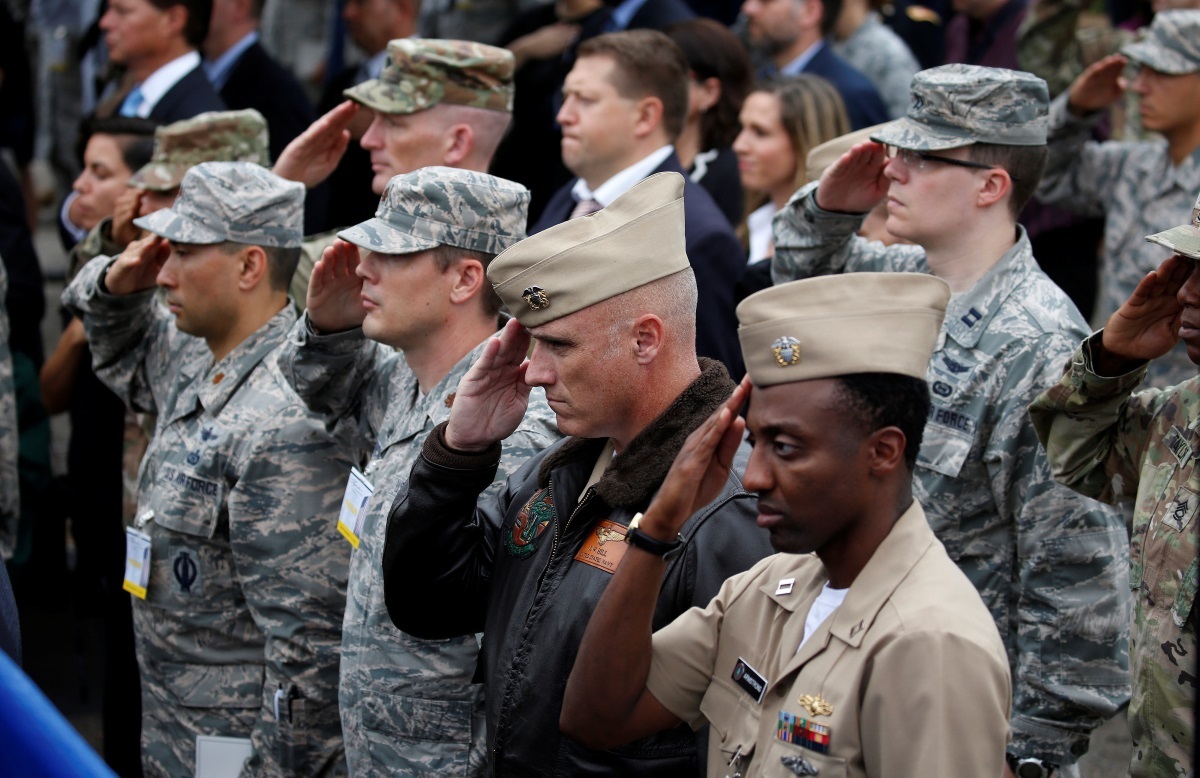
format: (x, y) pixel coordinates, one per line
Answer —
(911, 665)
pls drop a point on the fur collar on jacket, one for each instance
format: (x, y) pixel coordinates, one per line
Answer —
(634, 476)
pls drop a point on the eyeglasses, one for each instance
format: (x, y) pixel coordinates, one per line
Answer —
(917, 160)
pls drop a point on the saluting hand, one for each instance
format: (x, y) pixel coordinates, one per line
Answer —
(492, 396)
(314, 154)
(855, 183)
(700, 469)
(1098, 86)
(136, 269)
(334, 301)
(1146, 326)
(125, 210)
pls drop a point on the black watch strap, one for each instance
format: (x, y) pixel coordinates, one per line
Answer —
(664, 549)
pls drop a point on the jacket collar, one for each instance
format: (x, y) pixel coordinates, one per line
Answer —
(634, 476)
(219, 382)
(969, 313)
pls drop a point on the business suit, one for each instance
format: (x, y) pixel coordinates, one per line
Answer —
(190, 95)
(660, 14)
(257, 81)
(715, 256)
(864, 106)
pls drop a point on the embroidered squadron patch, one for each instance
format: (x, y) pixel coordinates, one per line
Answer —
(537, 298)
(786, 351)
(532, 520)
(186, 575)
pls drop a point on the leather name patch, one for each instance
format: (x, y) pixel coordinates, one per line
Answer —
(604, 547)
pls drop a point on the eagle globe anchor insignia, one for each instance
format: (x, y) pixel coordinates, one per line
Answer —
(536, 297)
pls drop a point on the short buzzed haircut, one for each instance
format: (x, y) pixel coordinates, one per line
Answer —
(648, 64)
(199, 14)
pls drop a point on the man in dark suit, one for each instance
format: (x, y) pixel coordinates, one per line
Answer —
(646, 14)
(624, 103)
(156, 42)
(246, 76)
(791, 34)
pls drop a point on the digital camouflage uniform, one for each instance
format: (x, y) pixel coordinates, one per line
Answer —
(883, 57)
(408, 706)
(10, 503)
(1134, 185)
(418, 74)
(237, 492)
(1109, 443)
(1049, 564)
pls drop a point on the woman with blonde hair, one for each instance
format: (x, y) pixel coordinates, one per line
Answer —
(782, 120)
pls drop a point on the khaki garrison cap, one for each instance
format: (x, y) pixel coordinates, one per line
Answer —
(840, 325)
(442, 206)
(241, 202)
(421, 72)
(824, 155)
(1172, 45)
(1183, 240)
(217, 136)
(958, 105)
(637, 239)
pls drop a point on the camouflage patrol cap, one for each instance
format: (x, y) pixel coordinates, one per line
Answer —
(217, 136)
(958, 105)
(242, 202)
(840, 325)
(636, 239)
(444, 206)
(421, 72)
(1183, 240)
(1172, 45)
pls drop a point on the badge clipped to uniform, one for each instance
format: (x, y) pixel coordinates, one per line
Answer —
(137, 562)
(750, 680)
(354, 504)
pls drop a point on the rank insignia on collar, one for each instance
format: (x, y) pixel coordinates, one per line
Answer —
(816, 705)
(787, 351)
(537, 298)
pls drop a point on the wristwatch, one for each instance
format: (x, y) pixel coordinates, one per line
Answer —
(666, 550)
(1030, 767)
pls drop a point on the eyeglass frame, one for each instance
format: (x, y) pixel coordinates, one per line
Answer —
(891, 152)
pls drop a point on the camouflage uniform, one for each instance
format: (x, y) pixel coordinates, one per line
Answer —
(883, 57)
(1107, 442)
(408, 706)
(10, 503)
(239, 633)
(1049, 565)
(418, 74)
(1134, 185)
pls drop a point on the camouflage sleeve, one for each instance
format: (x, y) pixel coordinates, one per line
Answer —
(96, 243)
(1047, 45)
(338, 375)
(810, 241)
(292, 566)
(1095, 435)
(1080, 173)
(10, 503)
(1070, 577)
(133, 339)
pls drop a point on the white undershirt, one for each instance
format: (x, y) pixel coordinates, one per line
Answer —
(759, 225)
(826, 603)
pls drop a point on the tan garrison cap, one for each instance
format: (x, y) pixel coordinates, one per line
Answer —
(1183, 240)
(421, 72)
(821, 157)
(1172, 45)
(217, 136)
(637, 239)
(841, 325)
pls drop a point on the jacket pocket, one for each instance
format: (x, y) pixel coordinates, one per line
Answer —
(214, 686)
(418, 737)
(733, 727)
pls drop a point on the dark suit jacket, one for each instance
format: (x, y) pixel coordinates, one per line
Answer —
(191, 95)
(348, 188)
(715, 256)
(864, 106)
(658, 14)
(257, 81)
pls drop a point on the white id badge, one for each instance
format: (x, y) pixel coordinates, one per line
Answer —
(137, 562)
(221, 757)
(354, 504)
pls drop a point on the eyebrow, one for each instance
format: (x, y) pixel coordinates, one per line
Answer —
(552, 340)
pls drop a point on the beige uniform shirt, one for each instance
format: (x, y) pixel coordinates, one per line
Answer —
(908, 677)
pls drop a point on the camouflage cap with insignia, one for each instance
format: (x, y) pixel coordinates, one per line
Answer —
(444, 206)
(840, 325)
(1172, 45)
(958, 105)
(636, 239)
(421, 72)
(217, 136)
(242, 202)
(1183, 240)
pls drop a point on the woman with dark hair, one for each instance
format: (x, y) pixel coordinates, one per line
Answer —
(112, 150)
(782, 120)
(721, 76)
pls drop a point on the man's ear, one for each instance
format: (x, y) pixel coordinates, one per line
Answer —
(175, 19)
(885, 450)
(459, 142)
(468, 278)
(253, 268)
(647, 331)
(996, 186)
(649, 116)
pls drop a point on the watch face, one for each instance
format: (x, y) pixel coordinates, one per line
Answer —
(1031, 768)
